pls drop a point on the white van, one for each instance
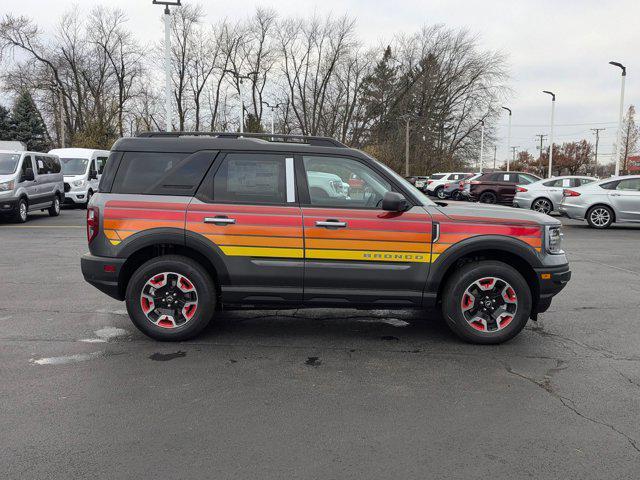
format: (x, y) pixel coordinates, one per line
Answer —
(82, 169)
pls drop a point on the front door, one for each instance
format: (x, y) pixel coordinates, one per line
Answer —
(355, 252)
(247, 211)
(626, 200)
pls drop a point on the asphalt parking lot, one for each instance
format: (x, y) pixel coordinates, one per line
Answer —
(315, 394)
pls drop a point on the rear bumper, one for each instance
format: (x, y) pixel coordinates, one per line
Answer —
(577, 212)
(551, 281)
(522, 202)
(103, 273)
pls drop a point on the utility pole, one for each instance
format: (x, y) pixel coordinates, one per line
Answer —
(495, 153)
(167, 59)
(481, 145)
(273, 109)
(597, 132)
(239, 78)
(514, 149)
(541, 137)
(407, 119)
(616, 156)
(62, 133)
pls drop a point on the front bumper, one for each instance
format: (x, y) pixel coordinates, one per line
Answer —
(577, 212)
(8, 205)
(551, 280)
(103, 273)
(79, 197)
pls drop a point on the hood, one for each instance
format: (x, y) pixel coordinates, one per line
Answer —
(6, 178)
(484, 213)
(72, 178)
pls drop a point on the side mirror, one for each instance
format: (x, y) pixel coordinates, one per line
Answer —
(93, 175)
(28, 175)
(394, 202)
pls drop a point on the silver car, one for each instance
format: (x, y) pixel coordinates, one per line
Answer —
(545, 195)
(605, 202)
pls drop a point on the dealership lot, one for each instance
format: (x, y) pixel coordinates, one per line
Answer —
(314, 394)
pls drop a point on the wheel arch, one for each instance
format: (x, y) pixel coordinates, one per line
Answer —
(543, 197)
(601, 204)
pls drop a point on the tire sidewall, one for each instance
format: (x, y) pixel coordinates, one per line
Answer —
(490, 195)
(458, 284)
(53, 211)
(18, 216)
(439, 193)
(541, 199)
(196, 274)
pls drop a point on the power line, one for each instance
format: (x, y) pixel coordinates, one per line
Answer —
(562, 124)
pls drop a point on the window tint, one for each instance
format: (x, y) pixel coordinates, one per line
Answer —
(525, 179)
(109, 174)
(584, 181)
(610, 185)
(54, 164)
(436, 177)
(251, 178)
(26, 163)
(142, 172)
(41, 165)
(630, 184)
(553, 183)
(343, 183)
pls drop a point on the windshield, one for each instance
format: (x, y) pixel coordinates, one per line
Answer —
(74, 166)
(398, 178)
(8, 163)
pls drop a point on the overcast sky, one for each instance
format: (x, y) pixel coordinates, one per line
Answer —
(561, 45)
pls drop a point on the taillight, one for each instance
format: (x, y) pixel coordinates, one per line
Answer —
(475, 182)
(429, 182)
(521, 189)
(93, 223)
(446, 185)
(570, 193)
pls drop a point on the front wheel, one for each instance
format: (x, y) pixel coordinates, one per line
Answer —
(486, 302)
(440, 193)
(171, 298)
(600, 217)
(488, 197)
(54, 209)
(22, 211)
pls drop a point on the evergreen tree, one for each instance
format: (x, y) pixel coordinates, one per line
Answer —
(27, 123)
(5, 124)
(378, 94)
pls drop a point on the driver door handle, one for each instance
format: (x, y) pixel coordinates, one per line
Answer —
(220, 220)
(330, 223)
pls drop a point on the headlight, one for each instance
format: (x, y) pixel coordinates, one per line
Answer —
(554, 240)
(78, 183)
(6, 186)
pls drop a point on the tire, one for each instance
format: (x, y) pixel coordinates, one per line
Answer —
(456, 195)
(183, 323)
(439, 192)
(89, 195)
(54, 210)
(22, 211)
(460, 307)
(542, 205)
(600, 217)
(488, 197)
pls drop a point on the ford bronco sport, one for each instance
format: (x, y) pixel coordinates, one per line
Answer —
(185, 224)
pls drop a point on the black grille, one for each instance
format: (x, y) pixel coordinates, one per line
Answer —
(67, 187)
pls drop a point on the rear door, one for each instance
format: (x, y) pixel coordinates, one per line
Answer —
(355, 252)
(247, 212)
(30, 186)
(626, 199)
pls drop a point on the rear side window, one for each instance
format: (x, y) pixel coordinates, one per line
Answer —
(436, 177)
(101, 162)
(251, 178)
(584, 181)
(54, 164)
(610, 185)
(629, 184)
(41, 165)
(154, 173)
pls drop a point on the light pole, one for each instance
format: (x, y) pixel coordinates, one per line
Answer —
(481, 145)
(553, 109)
(619, 135)
(239, 79)
(597, 132)
(273, 109)
(508, 136)
(167, 59)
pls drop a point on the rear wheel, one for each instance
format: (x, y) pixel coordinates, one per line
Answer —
(542, 205)
(486, 302)
(22, 211)
(171, 298)
(488, 197)
(89, 195)
(440, 193)
(600, 216)
(456, 195)
(54, 209)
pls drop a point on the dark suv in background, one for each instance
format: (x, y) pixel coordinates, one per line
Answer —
(498, 187)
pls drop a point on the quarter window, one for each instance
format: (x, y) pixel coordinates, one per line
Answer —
(343, 183)
(251, 178)
(142, 172)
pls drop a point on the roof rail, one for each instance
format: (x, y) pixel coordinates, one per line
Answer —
(273, 137)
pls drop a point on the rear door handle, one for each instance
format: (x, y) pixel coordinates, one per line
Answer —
(220, 220)
(615, 194)
(331, 224)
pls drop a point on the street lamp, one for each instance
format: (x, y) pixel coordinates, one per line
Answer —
(273, 109)
(553, 108)
(619, 136)
(508, 136)
(167, 58)
(239, 78)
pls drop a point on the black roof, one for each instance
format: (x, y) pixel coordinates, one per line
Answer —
(189, 142)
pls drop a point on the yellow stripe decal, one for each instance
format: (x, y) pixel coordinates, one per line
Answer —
(374, 256)
(262, 252)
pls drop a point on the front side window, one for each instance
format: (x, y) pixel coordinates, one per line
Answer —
(630, 184)
(141, 172)
(253, 178)
(8, 163)
(54, 164)
(343, 183)
(74, 166)
(101, 162)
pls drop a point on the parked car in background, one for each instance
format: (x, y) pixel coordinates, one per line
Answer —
(454, 189)
(82, 168)
(435, 184)
(29, 181)
(498, 187)
(327, 185)
(545, 195)
(615, 200)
